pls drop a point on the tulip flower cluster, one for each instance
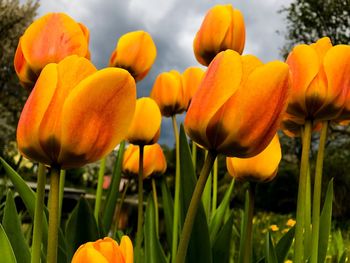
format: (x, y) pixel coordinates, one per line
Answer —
(76, 114)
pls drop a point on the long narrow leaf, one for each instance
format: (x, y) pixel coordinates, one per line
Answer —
(206, 197)
(270, 253)
(218, 217)
(221, 245)
(284, 245)
(12, 226)
(6, 252)
(168, 208)
(153, 249)
(199, 249)
(325, 223)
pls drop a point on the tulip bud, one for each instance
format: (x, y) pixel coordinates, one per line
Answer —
(222, 28)
(237, 109)
(105, 250)
(191, 77)
(154, 161)
(135, 52)
(169, 93)
(259, 168)
(320, 80)
(145, 126)
(76, 114)
(50, 38)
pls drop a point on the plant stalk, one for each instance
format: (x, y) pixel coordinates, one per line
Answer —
(99, 189)
(140, 207)
(61, 194)
(215, 186)
(155, 200)
(194, 155)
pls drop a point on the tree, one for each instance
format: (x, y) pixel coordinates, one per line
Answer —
(14, 19)
(309, 20)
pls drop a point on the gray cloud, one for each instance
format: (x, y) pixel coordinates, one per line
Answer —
(172, 24)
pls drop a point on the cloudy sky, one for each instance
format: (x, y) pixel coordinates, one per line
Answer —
(172, 25)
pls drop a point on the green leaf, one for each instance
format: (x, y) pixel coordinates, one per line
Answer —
(221, 245)
(199, 249)
(168, 208)
(12, 226)
(218, 217)
(325, 223)
(6, 252)
(308, 226)
(113, 191)
(153, 249)
(343, 258)
(206, 197)
(81, 227)
(284, 244)
(270, 253)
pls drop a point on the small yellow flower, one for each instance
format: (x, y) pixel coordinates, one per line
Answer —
(274, 228)
(291, 222)
(288, 261)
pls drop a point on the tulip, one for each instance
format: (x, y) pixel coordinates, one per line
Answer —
(105, 250)
(222, 28)
(191, 78)
(76, 114)
(226, 115)
(49, 39)
(135, 52)
(319, 80)
(259, 168)
(154, 161)
(169, 93)
(145, 126)
(292, 125)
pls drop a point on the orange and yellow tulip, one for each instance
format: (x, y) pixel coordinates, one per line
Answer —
(135, 52)
(319, 80)
(105, 250)
(49, 39)
(292, 125)
(145, 126)
(76, 114)
(154, 161)
(169, 93)
(223, 28)
(237, 109)
(191, 77)
(259, 168)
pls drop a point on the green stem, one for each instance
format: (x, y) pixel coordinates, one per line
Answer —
(177, 192)
(61, 194)
(300, 216)
(122, 199)
(194, 155)
(155, 199)
(53, 215)
(99, 189)
(317, 193)
(140, 207)
(215, 186)
(246, 248)
(193, 207)
(38, 214)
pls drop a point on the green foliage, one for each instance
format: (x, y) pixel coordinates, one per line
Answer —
(15, 16)
(6, 252)
(309, 20)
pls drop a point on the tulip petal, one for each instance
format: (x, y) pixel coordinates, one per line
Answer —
(302, 75)
(250, 127)
(191, 79)
(127, 249)
(57, 34)
(322, 46)
(32, 114)
(220, 82)
(88, 254)
(235, 35)
(110, 107)
(109, 248)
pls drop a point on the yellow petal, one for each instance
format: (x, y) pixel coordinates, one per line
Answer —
(110, 108)
(127, 249)
(235, 35)
(259, 168)
(322, 46)
(131, 160)
(88, 254)
(145, 125)
(191, 78)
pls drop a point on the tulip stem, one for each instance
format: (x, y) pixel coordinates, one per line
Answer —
(215, 186)
(317, 193)
(122, 199)
(176, 226)
(245, 252)
(61, 194)
(38, 214)
(155, 200)
(99, 189)
(194, 155)
(140, 207)
(300, 216)
(53, 215)
(193, 207)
